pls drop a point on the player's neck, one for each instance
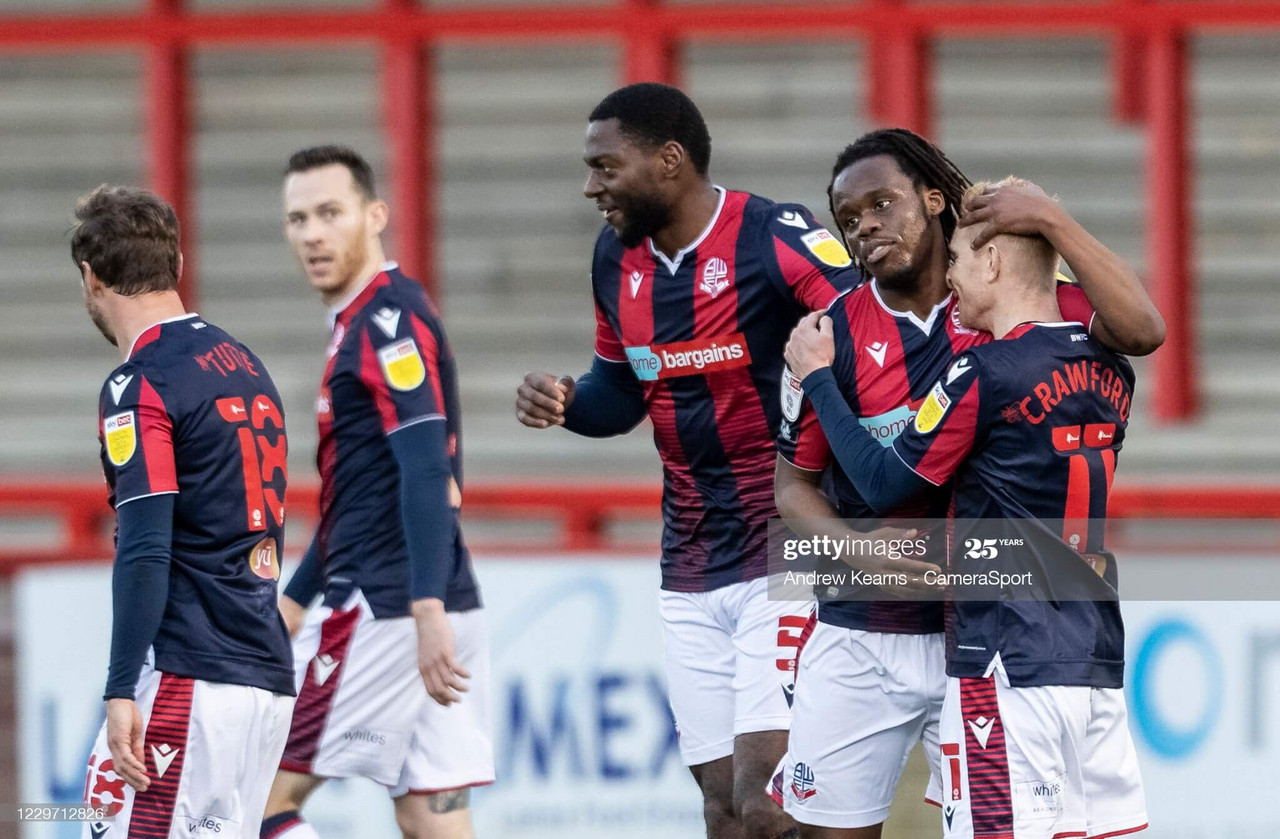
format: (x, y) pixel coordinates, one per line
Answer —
(929, 289)
(371, 268)
(1027, 307)
(135, 315)
(689, 219)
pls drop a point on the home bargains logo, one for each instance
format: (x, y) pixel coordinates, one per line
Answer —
(689, 358)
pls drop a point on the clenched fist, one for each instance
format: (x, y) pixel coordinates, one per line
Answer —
(542, 399)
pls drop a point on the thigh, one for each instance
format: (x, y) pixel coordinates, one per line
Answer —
(861, 704)
(360, 699)
(452, 747)
(1011, 759)
(699, 655)
(1115, 802)
(766, 640)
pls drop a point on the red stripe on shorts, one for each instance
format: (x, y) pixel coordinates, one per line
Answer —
(165, 753)
(988, 768)
(315, 700)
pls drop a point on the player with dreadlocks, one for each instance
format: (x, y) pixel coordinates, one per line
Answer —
(872, 674)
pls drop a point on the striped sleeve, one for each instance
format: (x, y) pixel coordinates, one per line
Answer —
(137, 438)
(801, 441)
(945, 428)
(810, 265)
(400, 367)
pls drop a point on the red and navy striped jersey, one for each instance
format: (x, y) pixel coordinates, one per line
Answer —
(704, 334)
(389, 366)
(193, 412)
(1028, 429)
(885, 363)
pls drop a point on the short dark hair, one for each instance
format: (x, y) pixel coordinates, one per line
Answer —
(314, 157)
(129, 237)
(654, 114)
(921, 161)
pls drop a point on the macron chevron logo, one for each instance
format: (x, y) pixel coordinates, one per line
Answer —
(388, 320)
(163, 755)
(118, 385)
(793, 219)
(877, 350)
(325, 664)
(981, 728)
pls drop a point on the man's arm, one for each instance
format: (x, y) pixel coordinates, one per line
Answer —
(1126, 319)
(307, 581)
(604, 402)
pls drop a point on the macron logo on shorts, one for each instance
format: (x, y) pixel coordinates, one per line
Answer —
(163, 755)
(981, 728)
(325, 664)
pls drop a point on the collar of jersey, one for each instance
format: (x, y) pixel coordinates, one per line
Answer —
(173, 319)
(338, 308)
(673, 265)
(1025, 327)
(926, 326)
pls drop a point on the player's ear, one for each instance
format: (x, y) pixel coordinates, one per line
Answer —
(671, 157)
(180, 263)
(379, 215)
(934, 202)
(993, 259)
(88, 279)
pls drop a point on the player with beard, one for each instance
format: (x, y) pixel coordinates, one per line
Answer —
(392, 666)
(872, 679)
(696, 288)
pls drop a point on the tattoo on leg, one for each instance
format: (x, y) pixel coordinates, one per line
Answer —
(448, 802)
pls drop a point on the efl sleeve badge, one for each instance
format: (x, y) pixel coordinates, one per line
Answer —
(933, 409)
(792, 395)
(402, 365)
(827, 248)
(120, 434)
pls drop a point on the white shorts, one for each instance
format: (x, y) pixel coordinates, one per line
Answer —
(863, 700)
(211, 752)
(363, 711)
(1038, 762)
(730, 662)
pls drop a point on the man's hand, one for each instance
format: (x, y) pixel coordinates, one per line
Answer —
(125, 735)
(912, 571)
(294, 613)
(542, 399)
(811, 346)
(441, 672)
(1019, 209)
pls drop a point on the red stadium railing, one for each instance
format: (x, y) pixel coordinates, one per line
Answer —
(582, 518)
(1149, 69)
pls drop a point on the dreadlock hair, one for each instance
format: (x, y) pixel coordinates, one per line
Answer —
(921, 161)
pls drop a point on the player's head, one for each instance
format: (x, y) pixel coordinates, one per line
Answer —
(895, 197)
(646, 145)
(333, 217)
(125, 243)
(1008, 268)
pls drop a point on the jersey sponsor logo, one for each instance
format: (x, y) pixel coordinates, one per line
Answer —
(933, 410)
(118, 385)
(264, 559)
(689, 358)
(792, 395)
(802, 782)
(715, 276)
(793, 219)
(323, 667)
(1066, 438)
(877, 350)
(827, 248)
(402, 365)
(981, 728)
(958, 369)
(887, 426)
(1100, 435)
(164, 755)
(635, 279)
(362, 735)
(204, 824)
(120, 434)
(1040, 799)
(388, 320)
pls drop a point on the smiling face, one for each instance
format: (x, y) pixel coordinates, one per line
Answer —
(625, 183)
(888, 222)
(331, 227)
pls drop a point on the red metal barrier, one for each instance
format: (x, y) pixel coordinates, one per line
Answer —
(582, 515)
(898, 34)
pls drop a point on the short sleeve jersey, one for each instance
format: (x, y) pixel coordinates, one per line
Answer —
(389, 366)
(193, 413)
(703, 333)
(1028, 429)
